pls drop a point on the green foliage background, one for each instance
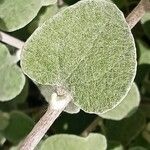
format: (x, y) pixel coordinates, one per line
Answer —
(19, 114)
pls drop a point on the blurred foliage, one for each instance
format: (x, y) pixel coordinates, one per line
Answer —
(17, 117)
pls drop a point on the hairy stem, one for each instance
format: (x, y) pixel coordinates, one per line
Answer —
(44, 123)
(10, 40)
(97, 121)
(137, 13)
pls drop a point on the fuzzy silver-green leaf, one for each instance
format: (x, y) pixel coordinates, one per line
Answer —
(73, 142)
(87, 48)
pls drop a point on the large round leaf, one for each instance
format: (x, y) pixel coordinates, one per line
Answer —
(15, 14)
(87, 48)
(72, 142)
(128, 105)
(12, 79)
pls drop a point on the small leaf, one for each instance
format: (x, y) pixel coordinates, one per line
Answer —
(72, 142)
(128, 105)
(23, 12)
(144, 53)
(72, 108)
(113, 145)
(19, 126)
(137, 148)
(4, 120)
(2, 140)
(12, 79)
(126, 129)
(146, 133)
(140, 141)
(145, 110)
(87, 48)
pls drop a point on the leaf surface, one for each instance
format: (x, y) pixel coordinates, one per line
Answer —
(88, 49)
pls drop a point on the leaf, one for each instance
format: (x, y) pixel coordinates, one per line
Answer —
(19, 126)
(4, 120)
(140, 141)
(21, 98)
(128, 105)
(87, 50)
(72, 108)
(23, 12)
(145, 110)
(12, 79)
(2, 140)
(137, 148)
(146, 23)
(113, 145)
(144, 53)
(44, 14)
(49, 12)
(146, 133)
(125, 130)
(73, 142)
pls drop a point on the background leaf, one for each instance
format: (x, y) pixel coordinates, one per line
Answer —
(113, 145)
(4, 120)
(125, 130)
(19, 126)
(128, 105)
(137, 148)
(12, 79)
(23, 12)
(144, 53)
(72, 142)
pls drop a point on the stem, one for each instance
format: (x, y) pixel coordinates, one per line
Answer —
(97, 121)
(60, 3)
(137, 13)
(45, 122)
(10, 40)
